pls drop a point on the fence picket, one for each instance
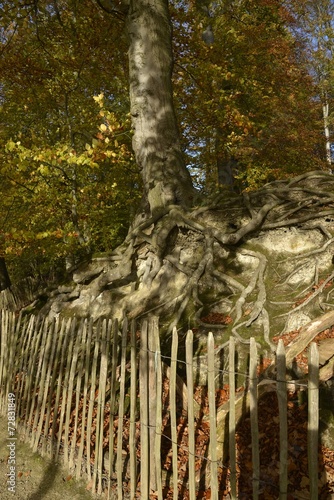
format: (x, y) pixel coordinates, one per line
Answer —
(114, 357)
(65, 330)
(152, 399)
(39, 384)
(11, 346)
(283, 419)
(4, 350)
(27, 330)
(254, 417)
(231, 420)
(173, 423)
(101, 405)
(19, 341)
(191, 418)
(119, 466)
(33, 387)
(82, 333)
(143, 390)
(86, 364)
(68, 386)
(133, 404)
(51, 376)
(45, 380)
(91, 404)
(213, 422)
(3, 357)
(97, 403)
(313, 419)
(158, 422)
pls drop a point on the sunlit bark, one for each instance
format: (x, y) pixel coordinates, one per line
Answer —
(156, 139)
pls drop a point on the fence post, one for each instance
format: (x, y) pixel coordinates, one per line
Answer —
(27, 330)
(144, 435)
(133, 401)
(66, 338)
(172, 392)
(213, 421)
(313, 419)
(48, 359)
(119, 467)
(39, 384)
(231, 420)
(158, 422)
(99, 440)
(87, 338)
(191, 423)
(114, 357)
(91, 399)
(70, 369)
(152, 399)
(283, 419)
(254, 417)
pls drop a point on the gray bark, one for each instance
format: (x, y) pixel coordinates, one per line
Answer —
(4, 276)
(325, 111)
(156, 139)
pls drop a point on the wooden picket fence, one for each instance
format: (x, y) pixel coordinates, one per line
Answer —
(82, 395)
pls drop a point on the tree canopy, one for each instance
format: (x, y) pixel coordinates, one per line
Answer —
(76, 158)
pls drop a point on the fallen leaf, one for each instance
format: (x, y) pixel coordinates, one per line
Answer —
(89, 485)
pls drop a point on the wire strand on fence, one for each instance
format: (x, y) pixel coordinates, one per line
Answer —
(84, 391)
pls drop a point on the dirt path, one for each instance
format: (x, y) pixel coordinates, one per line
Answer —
(36, 477)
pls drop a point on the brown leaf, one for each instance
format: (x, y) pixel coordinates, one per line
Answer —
(89, 485)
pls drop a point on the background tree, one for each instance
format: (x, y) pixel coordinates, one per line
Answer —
(314, 21)
(237, 95)
(67, 168)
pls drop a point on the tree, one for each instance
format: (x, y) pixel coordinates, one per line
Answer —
(241, 91)
(67, 168)
(316, 29)
(183, 251)
(206, 262)
(156, 140)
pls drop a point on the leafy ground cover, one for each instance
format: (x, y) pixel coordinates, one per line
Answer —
(39, 478)
(36, 477)
(269, 446)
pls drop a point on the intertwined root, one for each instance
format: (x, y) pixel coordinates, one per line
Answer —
(171, 258)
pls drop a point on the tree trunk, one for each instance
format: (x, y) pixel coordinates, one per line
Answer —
(225, 164)
(325, 111)
(4, 276)
(156, 139)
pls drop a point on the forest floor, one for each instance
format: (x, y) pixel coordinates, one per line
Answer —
(36, 477)
(268, 421)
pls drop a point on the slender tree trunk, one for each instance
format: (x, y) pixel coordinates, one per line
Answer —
(325, 112)
(224, 162)
(4, 276)
(156, 139)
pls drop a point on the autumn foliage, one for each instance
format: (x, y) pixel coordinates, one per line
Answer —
(246, 106)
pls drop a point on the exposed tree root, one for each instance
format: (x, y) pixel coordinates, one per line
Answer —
(315, 294)
(184, 264)
(282, 201)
